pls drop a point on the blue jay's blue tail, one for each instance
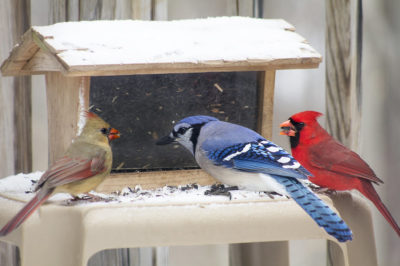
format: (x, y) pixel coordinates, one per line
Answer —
(316, 208)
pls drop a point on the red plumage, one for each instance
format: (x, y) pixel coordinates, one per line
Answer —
(332, 165)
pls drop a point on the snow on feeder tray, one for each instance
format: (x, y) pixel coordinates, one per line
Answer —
(141, 76)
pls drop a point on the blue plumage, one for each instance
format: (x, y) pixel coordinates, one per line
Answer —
(236, 155)
(259, 156)
(197, 119)
(322, 214)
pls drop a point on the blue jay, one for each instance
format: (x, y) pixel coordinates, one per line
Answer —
(238, 156)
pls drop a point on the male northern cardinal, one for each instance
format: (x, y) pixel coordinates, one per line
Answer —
(86, 163)
(332, 165)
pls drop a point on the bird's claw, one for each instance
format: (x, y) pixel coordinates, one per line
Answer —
(88, 197)
(323, 190)
(220, 190)
(271, 194)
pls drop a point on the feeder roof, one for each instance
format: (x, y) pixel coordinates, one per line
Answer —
(95, 48)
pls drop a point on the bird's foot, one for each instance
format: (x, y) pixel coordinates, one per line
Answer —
(220, 190)
(75, 198)
(272, 194)
(93, 198)
(88, 197)
(323, 190)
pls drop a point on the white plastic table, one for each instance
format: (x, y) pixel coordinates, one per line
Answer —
(70, 235)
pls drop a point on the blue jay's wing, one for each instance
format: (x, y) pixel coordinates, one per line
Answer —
(259, 156)
(263, 156)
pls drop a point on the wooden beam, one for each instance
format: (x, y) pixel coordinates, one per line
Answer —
(343, 95)
(15, 107)
(19, 55)
(22, 96)
(203, 66)
(23, 124)
(153, 180)
(266, 103)
(66, 97)
(42, 62)
(343, 70)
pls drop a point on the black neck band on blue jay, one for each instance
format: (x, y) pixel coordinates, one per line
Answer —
(195, 135)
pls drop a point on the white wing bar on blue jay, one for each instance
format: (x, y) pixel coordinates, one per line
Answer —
(238, 156)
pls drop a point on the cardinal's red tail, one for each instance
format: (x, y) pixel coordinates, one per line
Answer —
(369, 191)
(26, 211)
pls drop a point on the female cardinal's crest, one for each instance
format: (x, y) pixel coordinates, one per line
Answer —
(90, 114)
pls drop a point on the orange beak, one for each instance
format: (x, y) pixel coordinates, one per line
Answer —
(114, 134)
(287, 129)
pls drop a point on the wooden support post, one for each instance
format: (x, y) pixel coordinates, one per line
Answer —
(355, 211)
(266, 103)
(260, 254)
(343, 70)
(343, 95)
(66, 97)
(15, 108)
(23, 124)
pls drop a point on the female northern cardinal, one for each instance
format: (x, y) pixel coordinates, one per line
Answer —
(86, 163)
(333, 165)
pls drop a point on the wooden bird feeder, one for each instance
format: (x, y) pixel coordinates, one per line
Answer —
(141, 76)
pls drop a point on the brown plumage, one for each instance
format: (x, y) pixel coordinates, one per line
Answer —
(86, 163)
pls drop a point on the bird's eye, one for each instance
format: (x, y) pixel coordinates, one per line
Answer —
(298, 125)
(182, 130)
(104, 131)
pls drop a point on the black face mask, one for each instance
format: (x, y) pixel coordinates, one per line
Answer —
(294, 140)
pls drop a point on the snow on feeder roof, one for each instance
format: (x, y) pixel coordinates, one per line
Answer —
(95, 48)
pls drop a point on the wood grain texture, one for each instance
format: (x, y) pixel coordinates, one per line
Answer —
(343, 70)
(160, 68)
(245, 8)
(22, 97)
(42, 62)
(202, 66)
(23, 125)
(153, 180)
(63, 107)
(58, 10)
(15, 107)
(20, 54)
(343, 88)
(266, 103)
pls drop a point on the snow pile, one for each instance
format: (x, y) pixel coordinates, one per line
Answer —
(182, 41)
(20, 187)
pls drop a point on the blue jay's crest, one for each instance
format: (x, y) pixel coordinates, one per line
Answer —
(259, 156)
(197, 119)
(187, 131)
